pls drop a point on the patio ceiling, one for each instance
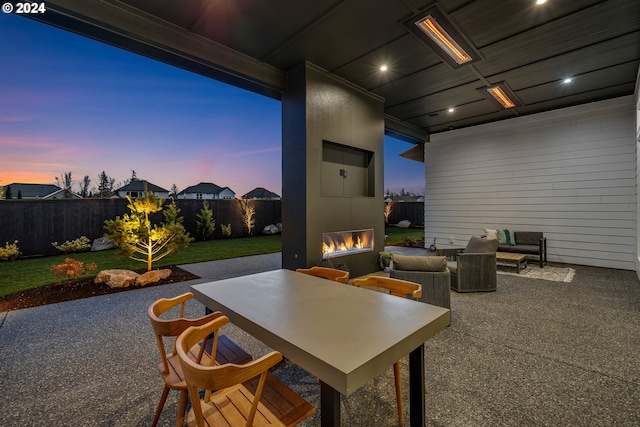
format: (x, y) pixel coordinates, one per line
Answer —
(253, 43)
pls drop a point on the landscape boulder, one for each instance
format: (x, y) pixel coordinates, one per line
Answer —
(404, 223)
(103, 244)
(271, 229)
(152, 276)
(117, 278)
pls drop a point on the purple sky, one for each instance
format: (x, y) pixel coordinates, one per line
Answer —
(71, 104)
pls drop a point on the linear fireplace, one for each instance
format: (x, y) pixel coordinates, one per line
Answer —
(342, 243)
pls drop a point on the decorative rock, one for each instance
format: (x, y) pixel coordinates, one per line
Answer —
(117, 278)
(404, 223)
(102, 244)
(152, 276)
(271, 229)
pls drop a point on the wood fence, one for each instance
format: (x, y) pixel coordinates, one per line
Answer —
(38, 223)
(411, 211)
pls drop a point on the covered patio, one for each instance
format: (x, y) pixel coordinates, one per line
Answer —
(535, 352)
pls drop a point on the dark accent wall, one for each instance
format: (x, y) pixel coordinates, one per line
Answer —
(320, 107)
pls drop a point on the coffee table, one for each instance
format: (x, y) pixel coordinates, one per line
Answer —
(341, 334)
(519, 260)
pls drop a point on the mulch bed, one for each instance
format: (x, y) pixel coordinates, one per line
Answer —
(76, 289)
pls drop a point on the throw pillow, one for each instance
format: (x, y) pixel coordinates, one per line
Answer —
(419, 263)
(506, 237)
(490, 233)
(502, 237)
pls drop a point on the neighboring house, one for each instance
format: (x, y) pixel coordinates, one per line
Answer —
(261, 193)
(37, 191)
(136, 188)
(206, 191)
(402, 199)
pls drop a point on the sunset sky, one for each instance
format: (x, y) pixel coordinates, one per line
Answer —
(71, 104)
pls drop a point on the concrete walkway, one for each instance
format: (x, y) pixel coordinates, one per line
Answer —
(533, 353)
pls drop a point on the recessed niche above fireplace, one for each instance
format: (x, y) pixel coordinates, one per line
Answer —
(342, 243)
(346, 171)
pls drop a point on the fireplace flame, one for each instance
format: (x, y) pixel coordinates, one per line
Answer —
(345, 242)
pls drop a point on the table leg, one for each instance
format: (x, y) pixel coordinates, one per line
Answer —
(416, 387)
(329, 406)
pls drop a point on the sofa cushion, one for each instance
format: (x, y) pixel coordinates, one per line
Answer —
(528, 237)
(526, 249)
(478, 245)
(419, 263)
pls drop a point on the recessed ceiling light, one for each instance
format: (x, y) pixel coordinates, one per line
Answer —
(567, 80)
(451, 110)
(384, 68)
(541, 1)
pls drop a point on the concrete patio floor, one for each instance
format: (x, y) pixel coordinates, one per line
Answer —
(534, 352)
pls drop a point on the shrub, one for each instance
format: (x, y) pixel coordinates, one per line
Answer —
(10, 252)
(71, 246)
(410, 242)
(226, 230)
(72, 268)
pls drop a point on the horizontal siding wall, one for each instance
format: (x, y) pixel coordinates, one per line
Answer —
(570, 173)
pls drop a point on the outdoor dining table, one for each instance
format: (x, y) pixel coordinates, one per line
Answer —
(341, 334)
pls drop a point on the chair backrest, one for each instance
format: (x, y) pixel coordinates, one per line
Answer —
(479, 245)
(396, 287)
(216, 377)
(174, 327)
(327, 273)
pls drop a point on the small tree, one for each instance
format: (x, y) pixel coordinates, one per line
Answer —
(84, 186)
(9, 195)
(19, 194)
(105, 185)
(247, 211)
(172, 214)
(174, 192)
(141, 241)
(205, 225)
(388, 207)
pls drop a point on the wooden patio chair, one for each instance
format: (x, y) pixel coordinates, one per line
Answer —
(236, 395)
(398, 288)
(327, 273)
(226, 351)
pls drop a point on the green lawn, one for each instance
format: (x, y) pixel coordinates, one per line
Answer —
(396, 234)
(30, 273)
